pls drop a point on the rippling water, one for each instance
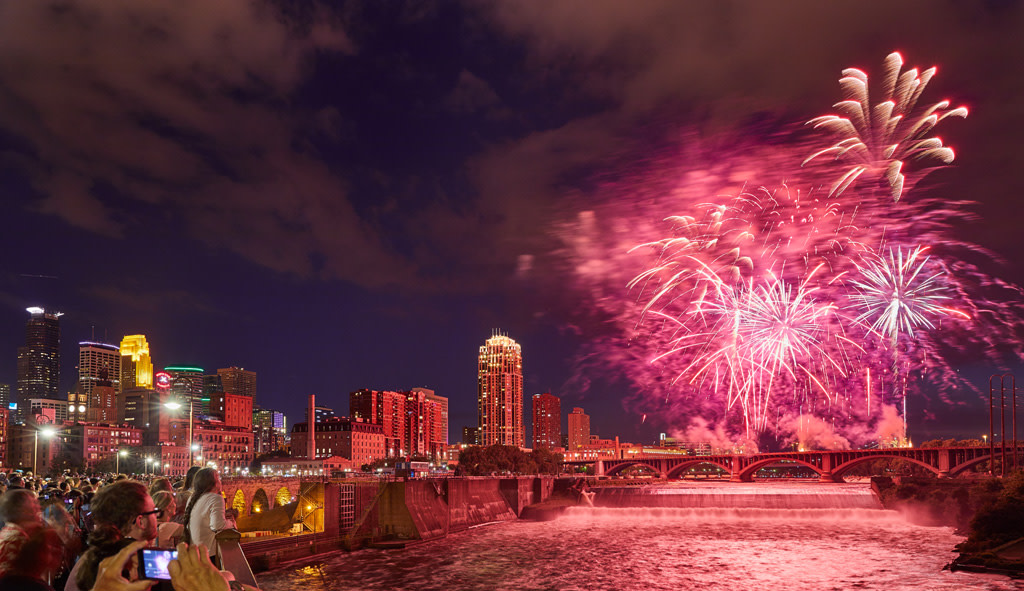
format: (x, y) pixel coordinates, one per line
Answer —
(666, 548)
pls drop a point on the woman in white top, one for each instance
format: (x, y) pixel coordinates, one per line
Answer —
(204, 514)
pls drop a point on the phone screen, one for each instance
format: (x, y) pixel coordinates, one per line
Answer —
(153, 562)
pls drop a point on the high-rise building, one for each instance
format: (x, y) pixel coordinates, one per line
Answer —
(547, 421)
(579, 429)
(143, 408)
(437, 409)
(102, 405)
(5, 396)
(426, 423)
(97, 362)
(234, 410)
(38, 361)
(384, 408)
(187, 384)
(136, 363)
(500, 392)
(3, 437)
(471, 435)
(238, 380)
(269, 428)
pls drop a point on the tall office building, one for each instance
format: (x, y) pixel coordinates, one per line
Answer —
(136, 363)
(547, 421)
(187, 384)
(269, 429)
(97, 362)
(38, 361)
(238, 380)
(385, 408)
(579, 429)
(500, 392)
(5, 396)
(437, 410)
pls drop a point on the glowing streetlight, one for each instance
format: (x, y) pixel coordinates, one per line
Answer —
(175, 406)
(122, 453)
(45, 432)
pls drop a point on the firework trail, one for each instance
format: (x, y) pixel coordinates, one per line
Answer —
(763, 308)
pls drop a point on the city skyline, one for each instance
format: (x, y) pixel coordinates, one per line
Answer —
(366, 193)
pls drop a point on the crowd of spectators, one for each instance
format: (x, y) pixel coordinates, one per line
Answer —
(77, 533)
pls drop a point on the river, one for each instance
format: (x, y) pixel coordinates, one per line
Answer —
(795, 547)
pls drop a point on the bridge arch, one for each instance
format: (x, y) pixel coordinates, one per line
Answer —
(622, 465)
(677, 470)
(965, 466)
(841, 469)
(282, 497)
(747, 474)
(238, 502)
(260, 502)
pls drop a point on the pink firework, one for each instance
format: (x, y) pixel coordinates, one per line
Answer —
(880, 138)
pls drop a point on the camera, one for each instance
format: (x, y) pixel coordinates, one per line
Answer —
(153, 563)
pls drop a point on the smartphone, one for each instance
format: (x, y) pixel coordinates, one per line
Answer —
(153, 563)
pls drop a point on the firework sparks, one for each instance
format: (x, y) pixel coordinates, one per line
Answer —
(898, 294)
(882, 137)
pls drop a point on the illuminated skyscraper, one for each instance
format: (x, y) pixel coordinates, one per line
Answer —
(238, 380)
(187, 384)
(39, 361)
(95, 359)
(547, 421)
(136, 364)
(579, 429)
(500, 392)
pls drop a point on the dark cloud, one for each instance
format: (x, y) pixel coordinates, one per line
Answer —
(184, 107)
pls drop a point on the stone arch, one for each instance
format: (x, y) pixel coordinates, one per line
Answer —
(260, 502)
(282, 497)
(238, 502)
(619, 467)
(677, 470)
(839, 470)
(747, 474)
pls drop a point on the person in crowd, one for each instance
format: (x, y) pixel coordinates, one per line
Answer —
(169, 533)
(204, 515)
(120, 510)
(15, 481)
(183, 496)
(160, 484)
(58, 518)
(37, 561)
(20, 512)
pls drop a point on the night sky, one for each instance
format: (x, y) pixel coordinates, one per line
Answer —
(355, 195)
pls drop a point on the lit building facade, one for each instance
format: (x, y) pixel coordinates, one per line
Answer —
(547, 421)
(385, 408)
(4, 436)
(5, 396)
(38, 361)
(238, 380)
(46, 411)
(102, 405)
(353, 439)
(97, 362)
(228, 449)
(187, 384)
(579, 429)
(92, 443)
(269, 428)
(143, 408)
(235, 410)
(136, 363)
(169, 460)
(500, 392)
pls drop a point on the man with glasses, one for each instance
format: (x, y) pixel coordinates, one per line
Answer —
(120, 510)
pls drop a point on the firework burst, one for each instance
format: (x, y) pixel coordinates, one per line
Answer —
(881, 138)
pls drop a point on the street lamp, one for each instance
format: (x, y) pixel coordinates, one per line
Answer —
(149, 461)
(175, 406)
(123, 453)
(46, 432)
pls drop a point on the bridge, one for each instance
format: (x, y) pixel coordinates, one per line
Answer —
(944, 462)
(255, 494)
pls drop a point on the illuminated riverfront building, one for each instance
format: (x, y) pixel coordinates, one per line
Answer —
(238, 380)
(579, 429)
(270, 430)
(136, 363)
(547, 421)
(38, 361)
(414, 422)
(500, 392)
(226, 448)
(353, 439)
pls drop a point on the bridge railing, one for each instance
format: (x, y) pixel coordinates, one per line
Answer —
(232, 559)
